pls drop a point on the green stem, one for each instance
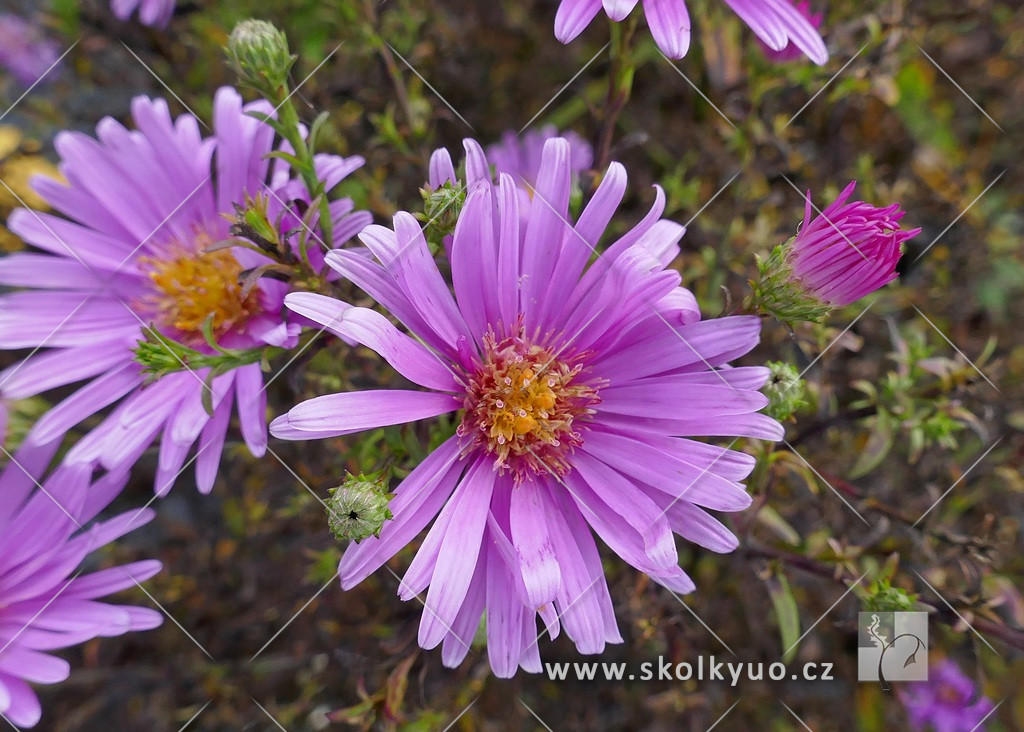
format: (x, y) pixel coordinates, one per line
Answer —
(289, 122)
(620, 86)
(390, 64)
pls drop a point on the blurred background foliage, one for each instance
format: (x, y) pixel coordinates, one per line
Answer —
(902, 398)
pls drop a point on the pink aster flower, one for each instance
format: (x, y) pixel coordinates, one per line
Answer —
(155, 13)
(948, 701)
(775, 22)
(45, 605)
(520, 155)
(791, 52)
(25, 51)
(579, 389)
(849, 250)
(129, 256)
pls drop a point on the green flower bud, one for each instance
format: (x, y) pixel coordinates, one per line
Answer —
(251, 221)
(259, 52)
(441, 209)
(777, 292)
(886, 598)
(358, 507)
(785, 390)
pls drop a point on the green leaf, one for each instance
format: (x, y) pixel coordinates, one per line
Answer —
(288, 158)
(320, 124)
(786, 613)
(879, 445)
(770, 518)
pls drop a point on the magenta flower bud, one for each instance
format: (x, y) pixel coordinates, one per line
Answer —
(846, 252)
(849, 250)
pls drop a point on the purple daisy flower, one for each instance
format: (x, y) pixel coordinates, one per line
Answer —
(948, 701)
(24, 50)
(775, 22)
(142, 207)
(791, 52)
(848, 251)
(155, 13)
(580, 391)
(44, 604)
(520, 155)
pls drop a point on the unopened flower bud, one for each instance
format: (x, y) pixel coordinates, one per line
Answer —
(886, 598)
(441, 208)
(785, 390)
(848, 251)
(358, 507)
(251, 221)
(259, 52)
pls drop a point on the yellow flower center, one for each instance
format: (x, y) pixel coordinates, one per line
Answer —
(523, 406)
(192, 285)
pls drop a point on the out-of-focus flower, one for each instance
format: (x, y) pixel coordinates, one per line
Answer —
(948, 701)
(846, 252)
(25, 51)
(775, 22)
(45, 533)
(520, 155)
(791, 52)
(580, 390)
(20, 162)
(155, 13)
(130, 275)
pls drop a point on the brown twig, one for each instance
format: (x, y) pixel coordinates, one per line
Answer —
(1012, 637)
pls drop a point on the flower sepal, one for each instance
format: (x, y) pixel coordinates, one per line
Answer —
(778, 293)
(160, 355)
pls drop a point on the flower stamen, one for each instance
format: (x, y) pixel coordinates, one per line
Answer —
(191, 285)
(523, 406)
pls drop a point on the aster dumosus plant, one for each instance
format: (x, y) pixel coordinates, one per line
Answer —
(847, 251)
(46, 531)
(579, 392)
(150, 289)
(776, 23)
